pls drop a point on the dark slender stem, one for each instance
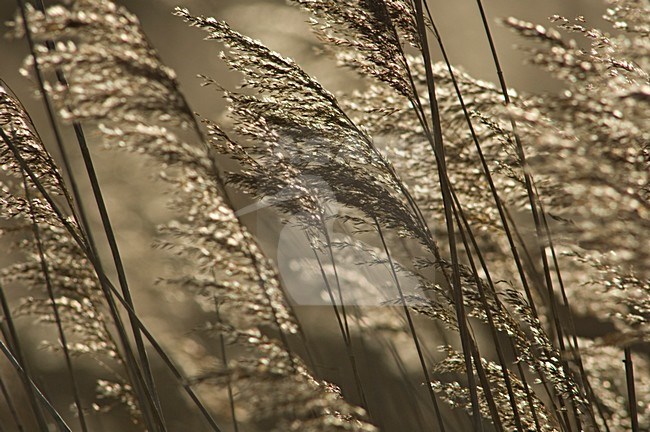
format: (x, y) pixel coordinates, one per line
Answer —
(131, 364)
(486, 169)
(465, 232)
(162, 354)
(575, 348)
(412, 329)
(55, 309)
(101, 206)
(345, 334)
(224, 360)
(438, 150)
(85, 226)
(49, 110)
(535, 210)
(10, 405)
(346, 328)
(14, 343)
(631, 393)
(109, 290)
(48, 406)
(505, 224)
(506, 221)
(344, 314)
(121, 272)
(330, 294)
(406, 382)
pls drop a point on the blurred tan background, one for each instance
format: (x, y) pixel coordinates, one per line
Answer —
(136, 202)
(283, 27)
